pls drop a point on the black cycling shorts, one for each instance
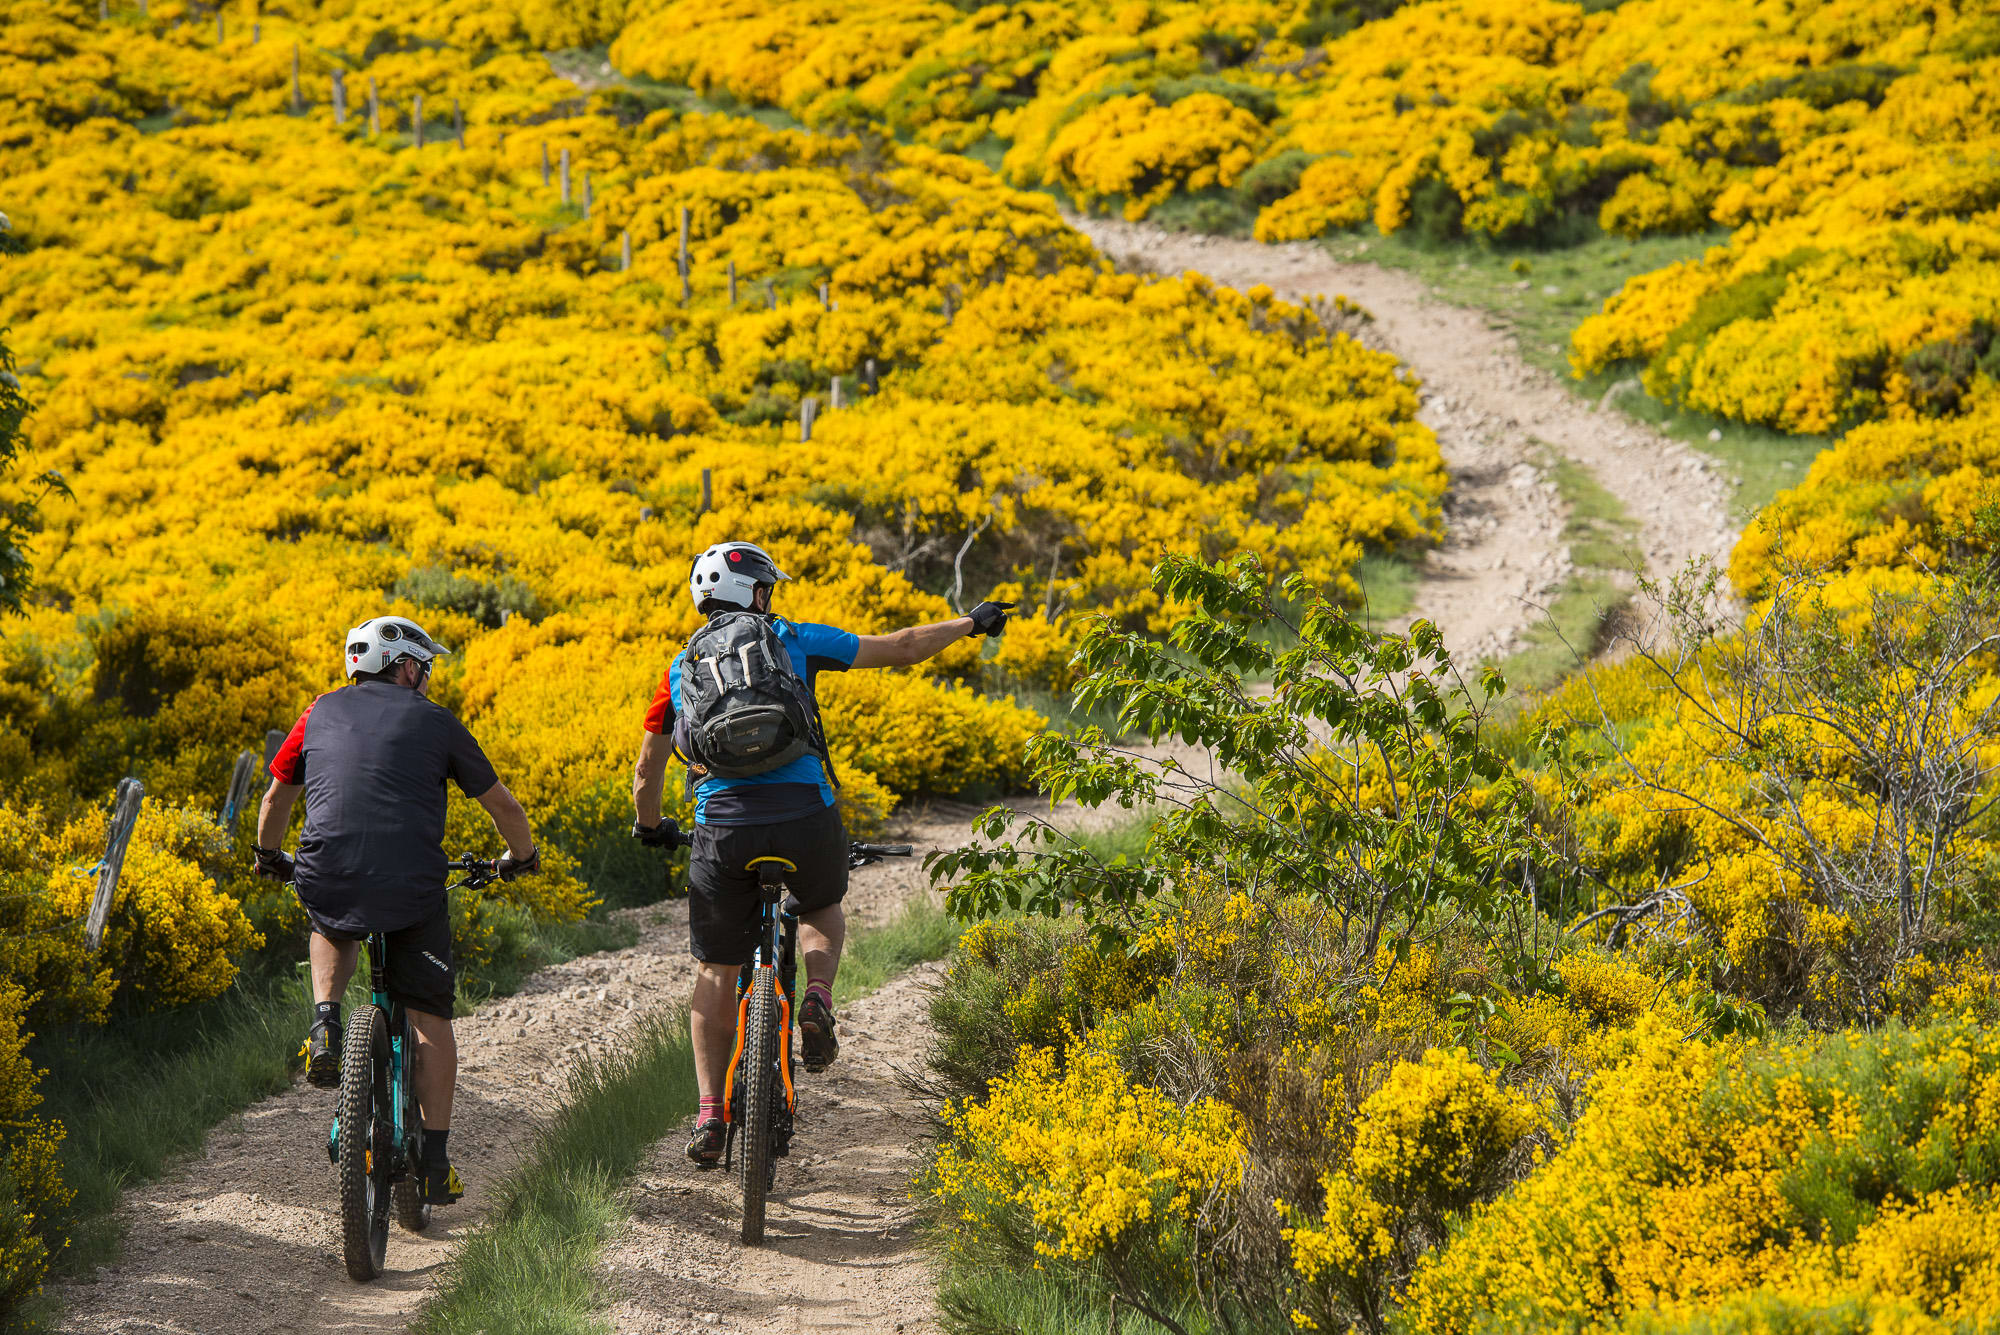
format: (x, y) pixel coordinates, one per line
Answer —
(723, 895)
(421, 977)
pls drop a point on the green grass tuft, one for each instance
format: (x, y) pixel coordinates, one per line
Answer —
(531, 1269)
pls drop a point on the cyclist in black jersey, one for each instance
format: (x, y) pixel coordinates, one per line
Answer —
(372, 760)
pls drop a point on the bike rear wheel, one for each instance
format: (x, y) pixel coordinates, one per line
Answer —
(364, 1148)
(760, 1095)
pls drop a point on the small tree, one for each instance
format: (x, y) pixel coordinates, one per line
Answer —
(1345, 790)
(1358, 783)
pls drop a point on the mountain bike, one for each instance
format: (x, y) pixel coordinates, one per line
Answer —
(759, 1103)
(377, 1140)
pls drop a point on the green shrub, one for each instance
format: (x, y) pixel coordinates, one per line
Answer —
(487, 601)
(1274, 178)
(1327, 20)
(1259, 102)
(1941, 371)
(1827, 86)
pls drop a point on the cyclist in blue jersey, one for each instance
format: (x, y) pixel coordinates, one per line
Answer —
(787, 811)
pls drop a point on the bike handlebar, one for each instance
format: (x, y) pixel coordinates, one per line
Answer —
(861, 855)
(480, 871)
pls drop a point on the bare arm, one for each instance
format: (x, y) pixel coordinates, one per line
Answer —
(910, 646)
(509, 819)
(647, 775)
(275, 813)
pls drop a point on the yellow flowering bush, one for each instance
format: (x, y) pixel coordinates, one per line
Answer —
(32, 1194)
(1427, 1144)
(1080, 1164)
(1853, 1169)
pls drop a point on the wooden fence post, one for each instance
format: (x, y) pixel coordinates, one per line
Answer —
(374, 108)
(545, 162)
(732, 284)
(242, 781)
(298, 94)
(833, 404)
(771, 294)
(681, 259)
(586, 194)
(417, 120)
(104, 11)
(823, 304)
(457, 123)
(339, 98)
(868, 375)
(124, 815)
(947, 308)
(256, 31)
(221, 35)
(624, 251)
(808, 410)
(563, 168)
(707, 497)
(142, 9)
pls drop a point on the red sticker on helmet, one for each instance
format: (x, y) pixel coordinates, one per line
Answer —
(736, 556)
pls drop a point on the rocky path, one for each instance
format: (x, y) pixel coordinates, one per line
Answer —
(1504, 553)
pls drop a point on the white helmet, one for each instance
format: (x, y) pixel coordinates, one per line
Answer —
(730, 572)
(376, 645)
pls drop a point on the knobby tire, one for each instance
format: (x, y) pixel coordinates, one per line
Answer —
(760, 1092)
(364, 1194)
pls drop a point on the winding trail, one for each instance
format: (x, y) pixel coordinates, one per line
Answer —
(1504, 555)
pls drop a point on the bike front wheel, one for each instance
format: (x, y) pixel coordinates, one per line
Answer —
(760, 1095)
(364, 1148)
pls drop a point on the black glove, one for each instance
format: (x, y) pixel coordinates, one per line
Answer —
(274, 863)
(667, 834)
(509, 866)
(990, 618)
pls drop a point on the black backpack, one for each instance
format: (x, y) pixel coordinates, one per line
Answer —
(745, 711)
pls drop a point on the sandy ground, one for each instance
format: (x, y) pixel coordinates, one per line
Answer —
(1504, 554)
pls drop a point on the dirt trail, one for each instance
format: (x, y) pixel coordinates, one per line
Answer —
(1504, 552)
(841, 1247)
(244, 1238)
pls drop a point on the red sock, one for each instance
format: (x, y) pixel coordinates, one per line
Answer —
(825, 990)
(710, 1110)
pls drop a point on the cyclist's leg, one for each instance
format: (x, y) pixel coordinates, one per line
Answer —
(422, 979)
(332, 955)
(332, 966)
(436, 1068)
(822, 934)
(722, 933)
(818, 845)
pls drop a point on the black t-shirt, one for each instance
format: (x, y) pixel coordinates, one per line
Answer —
(374, 758)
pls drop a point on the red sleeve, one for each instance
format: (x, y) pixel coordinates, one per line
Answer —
(289, 765)
(660, 714)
